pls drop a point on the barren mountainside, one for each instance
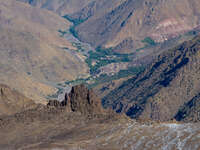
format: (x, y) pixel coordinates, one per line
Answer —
(167, 89)
(31, 50)
(137, 19)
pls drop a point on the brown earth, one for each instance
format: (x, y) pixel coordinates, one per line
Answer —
(56, 128)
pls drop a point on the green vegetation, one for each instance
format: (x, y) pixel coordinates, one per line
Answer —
(78, 46)
(73, 31)
(99, 58)
(149, 41)
(78, 81)
(62, 33)
(121, 74)
(74, 20)
(103, 78)
(103, 57)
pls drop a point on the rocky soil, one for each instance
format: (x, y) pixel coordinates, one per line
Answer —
(60, 126)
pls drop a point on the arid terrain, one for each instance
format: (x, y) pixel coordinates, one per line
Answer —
(31, 55)
(99, 75)
(75, 124)
(166, 85)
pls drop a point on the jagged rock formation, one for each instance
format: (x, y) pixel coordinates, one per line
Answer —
(82, 100)
(168, 84)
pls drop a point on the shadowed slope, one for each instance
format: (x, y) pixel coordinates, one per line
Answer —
(166, 85)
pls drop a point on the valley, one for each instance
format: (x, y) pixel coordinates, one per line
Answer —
(105, 36)
(98, 61)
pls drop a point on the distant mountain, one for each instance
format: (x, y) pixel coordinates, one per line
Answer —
(141, 21)
(32, 57)
(167, 89)
(127, 25)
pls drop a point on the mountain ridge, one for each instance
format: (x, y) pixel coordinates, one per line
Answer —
(156, 93)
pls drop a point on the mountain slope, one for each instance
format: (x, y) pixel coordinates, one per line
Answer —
(32, 57)
(163, 88)
(12, 101)
(159, 20)
(61, 7)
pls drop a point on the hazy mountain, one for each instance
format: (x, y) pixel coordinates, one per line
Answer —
(138, 19)
(167, 89)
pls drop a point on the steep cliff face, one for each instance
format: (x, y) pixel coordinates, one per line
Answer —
(163, 88)
(81, 100)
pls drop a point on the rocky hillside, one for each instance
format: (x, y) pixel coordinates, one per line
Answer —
(12, 101)
(32, 57)
(54, 127)
(167, 89)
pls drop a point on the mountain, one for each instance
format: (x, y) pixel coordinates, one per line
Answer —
(123, 35)
(139, 21)
(167, 89)
(126, 25)
(61, 7)
(32, 57)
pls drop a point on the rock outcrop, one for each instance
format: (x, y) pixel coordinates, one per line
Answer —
(81, 100)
